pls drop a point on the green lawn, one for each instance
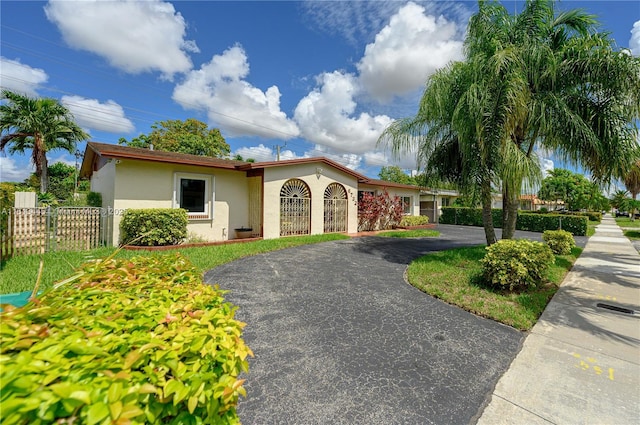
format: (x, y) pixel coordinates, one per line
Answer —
(418, 233)
(634, 235)
(626, 222)
(20, 273)
(454, 277)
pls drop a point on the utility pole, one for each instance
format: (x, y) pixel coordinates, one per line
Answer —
(277, 147)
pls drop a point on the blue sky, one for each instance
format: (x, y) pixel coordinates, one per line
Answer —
(316, 78)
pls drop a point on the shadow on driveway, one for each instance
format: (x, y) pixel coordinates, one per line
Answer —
(340, 338)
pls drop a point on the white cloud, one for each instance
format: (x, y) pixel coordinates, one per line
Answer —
(64, 158)
(634, 42)
(405, 52)
(349, 160)
(20, 78)
(232, 103)
(546, 165)
(260, 153)
(135, 36)
(11, 171)
(384, 158)
(90, 113)
(325, 116)
(361, 20)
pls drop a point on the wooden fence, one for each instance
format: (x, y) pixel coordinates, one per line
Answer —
(39, 230)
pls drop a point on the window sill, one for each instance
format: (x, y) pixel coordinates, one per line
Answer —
(198, 217)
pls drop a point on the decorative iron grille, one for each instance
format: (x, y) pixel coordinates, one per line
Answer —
(335, 208)
(295, 208)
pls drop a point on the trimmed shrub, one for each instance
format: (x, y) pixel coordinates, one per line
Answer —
(124, 341)
(574, 224)
(414, 220)
(516, 263)
(560, 241)
(531, 221)
(466, 216)
(153, 227)
(94, 199)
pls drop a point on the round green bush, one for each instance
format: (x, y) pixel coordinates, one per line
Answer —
(153, 226)
(516, 264)
(560, 241)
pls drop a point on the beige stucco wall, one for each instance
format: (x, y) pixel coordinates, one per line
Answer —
(143, 184)
(103, 181)
(275, 177)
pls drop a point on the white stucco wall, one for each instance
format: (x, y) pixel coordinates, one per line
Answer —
(143, 184)
(275, 177)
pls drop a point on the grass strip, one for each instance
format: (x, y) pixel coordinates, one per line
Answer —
(633, 235)
(627, 222)
(454, 276)
(417, 233)
(20, 273)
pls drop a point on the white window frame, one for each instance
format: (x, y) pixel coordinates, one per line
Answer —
(209, 194)
(407, 208)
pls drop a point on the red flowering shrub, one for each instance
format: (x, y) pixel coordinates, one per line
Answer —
(379, 212)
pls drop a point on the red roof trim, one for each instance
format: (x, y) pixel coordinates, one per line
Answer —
(125, 152)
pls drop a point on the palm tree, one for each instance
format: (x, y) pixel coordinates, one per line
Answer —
(632, 183)
(618, 199)
(451, 145)
(554, 82)
(40, 125)
(577, 95)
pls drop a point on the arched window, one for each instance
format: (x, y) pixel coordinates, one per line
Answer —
(335, 208)
(295, 208)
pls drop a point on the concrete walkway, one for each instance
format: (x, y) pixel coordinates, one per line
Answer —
(581, 362)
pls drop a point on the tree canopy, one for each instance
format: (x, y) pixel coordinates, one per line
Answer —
(39, 125)
(541, 79)
(573, 189)
(393, 173)
(190, 136)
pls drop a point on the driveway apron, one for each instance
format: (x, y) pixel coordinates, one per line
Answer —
(340, 338)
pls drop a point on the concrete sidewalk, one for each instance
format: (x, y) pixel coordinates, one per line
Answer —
(581, 362)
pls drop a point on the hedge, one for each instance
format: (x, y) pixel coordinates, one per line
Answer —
(414, 220)
(124, 341)
(153, 226)
(534, 222)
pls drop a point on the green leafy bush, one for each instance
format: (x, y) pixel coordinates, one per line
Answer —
(94, 199)
(560, 241)
(466, 216)
(127, 342)
(414, 220)
(516, 263)
(531, 221)
(153, 226)
(574, 224)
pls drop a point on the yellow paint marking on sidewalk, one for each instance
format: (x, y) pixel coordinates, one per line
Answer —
(590, 363)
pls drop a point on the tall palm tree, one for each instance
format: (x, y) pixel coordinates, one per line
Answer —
(449, 132)
(632, 183)
(40, 125)
(533, 80)
(579, 96)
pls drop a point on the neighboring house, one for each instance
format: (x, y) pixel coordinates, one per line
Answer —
(274, 199)
(533, 203)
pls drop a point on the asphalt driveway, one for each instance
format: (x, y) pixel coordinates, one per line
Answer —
(340, 338)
